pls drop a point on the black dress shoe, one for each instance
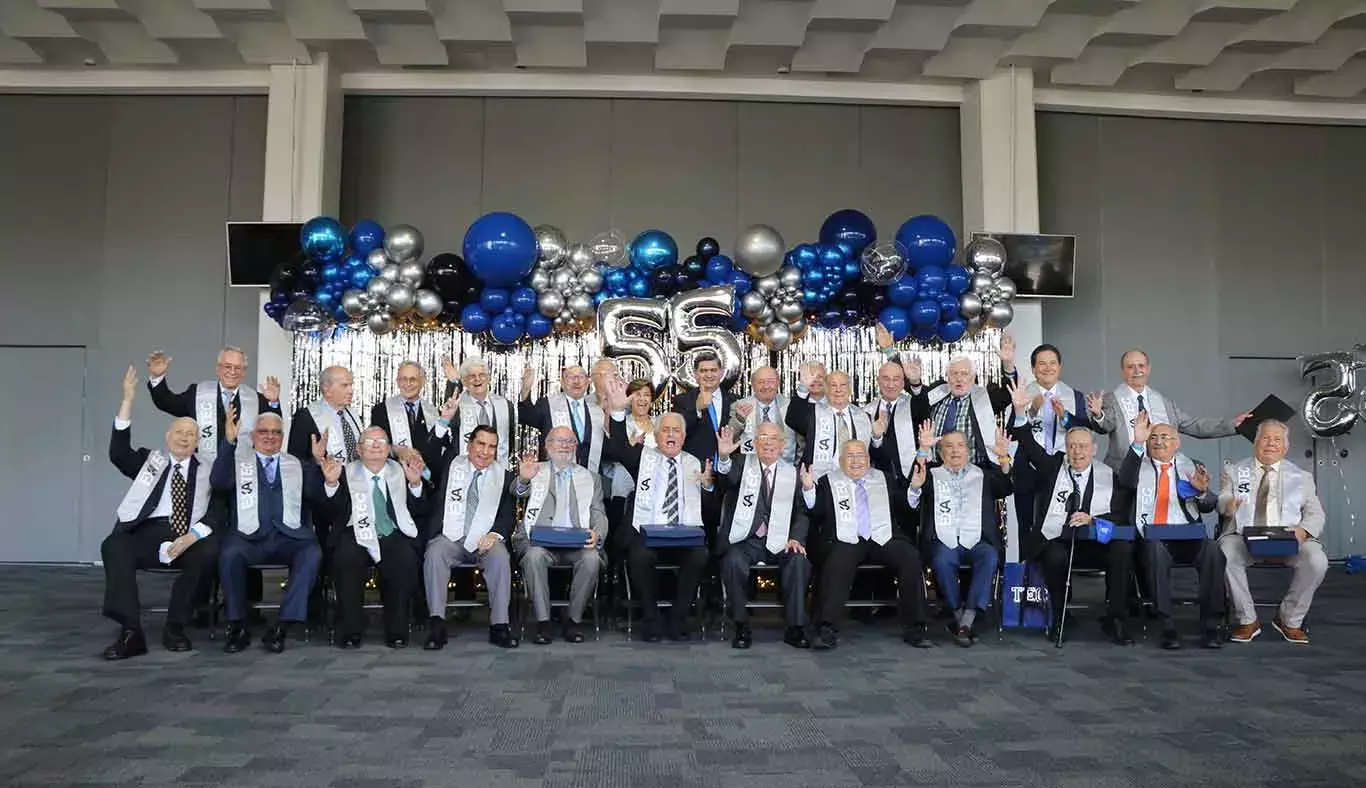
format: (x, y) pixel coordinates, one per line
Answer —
(1170, 640)
(963, 636)
(500, 635)
(396, 641)
(1119, 633)
(796, 637)
(350, 641)
(743, 638)
(916, 636)
(236, 639)
(542, 636)
(826, 638)
(573, 633)
(649, 631)
(173, 638)
(274, 639)
(131, 643)
(436, 634)
(1210, 638)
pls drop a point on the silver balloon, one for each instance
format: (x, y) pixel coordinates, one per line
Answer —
(305, 314)
(1000, 315)
(389, 273)
(778, 335)
(765, 316)
(428, 303)
(759, 251)
(981, 283)
(377, 287)
(579, 257)
(975, 326)
(796, 327)
(591, 280)
(693, 338)
(970, 304)
(400, 298)
(1327, 408)
(610, 248)
(790, 276)
(788, 311)
(986, 255)
(551, 303)
(564, 320)
(561, 279)
(380, 323)
(376, 259)
(540, 280)
(550, 245)
(1005, 289)
(751, 304)
(403, 243)
(353, 303)
(766, 286)
(882, 262)
(579, 305)
(411, 273)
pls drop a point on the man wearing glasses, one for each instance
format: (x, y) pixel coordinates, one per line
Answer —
(207, 402)
(569, 407)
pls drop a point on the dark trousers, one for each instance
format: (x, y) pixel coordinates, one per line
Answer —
(1117, 557)
(794, 574)
(124, 552)
(303, 556)
(400, 570)
(840, 562)
(1156, 559)
(641, 562)
(946, 561)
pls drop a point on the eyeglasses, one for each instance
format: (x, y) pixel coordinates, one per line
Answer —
(270, 432)
(374, 442)
(562, 441)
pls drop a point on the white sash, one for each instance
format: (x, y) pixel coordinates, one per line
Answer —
(1102, 489)
(580, 477)
(207, 397)
(1063, 393)
(499, 412)
(325, 418)
(654, 470)
(397, 411)
(1128, 405)
(780, 509)
(141, 489)
(490, 497)
(291, 476)
(778, 416)
(958, 522)
(825, 452)
(558, 404)
(358, 483)
(879, 507)
(981, 410)
(1147, 492)
(904, 426)
(1290, 486)
(622, 483)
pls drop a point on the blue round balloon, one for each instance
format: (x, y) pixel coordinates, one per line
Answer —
(719, 269)
(639, 288)
(600, 296)
(519, 318)
(896, 320)
(366, 236)
(500, 249)
(953, 330)
(930, 280)
(928, 241)
(361, 277)
(494, 300)
(948, 307)
(813, 277)
(850, 227)
(805, 256)
(504, 328)
(331, 272)
(474, 319)
(279, 297)
(902, 292)
(652, 250)
(832, 318)
(615, 279)
(538, 326)
(852, 272)
(924, 333)
(925, 312)
(957, 280)
(523, 300)
(323, 238)
(811, 297)
(354, 261)
(741, 281)
(830, 256)
(325, 297)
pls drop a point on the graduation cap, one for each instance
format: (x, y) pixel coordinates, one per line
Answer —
(1273, 407)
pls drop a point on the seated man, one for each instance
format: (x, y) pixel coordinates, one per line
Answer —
(270, 495)
(471, 523)
(167, 518)
(958, 521)
(1152, 472)
(759, 524)
(562, 494)
(1285, 498)
(371, 528)
(851, 507)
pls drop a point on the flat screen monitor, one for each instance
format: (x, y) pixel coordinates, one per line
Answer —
(1043, 266)
(256, 248)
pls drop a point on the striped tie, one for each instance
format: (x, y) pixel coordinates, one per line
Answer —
(671, 493)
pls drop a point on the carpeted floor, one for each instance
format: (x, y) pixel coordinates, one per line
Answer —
(1011, 712)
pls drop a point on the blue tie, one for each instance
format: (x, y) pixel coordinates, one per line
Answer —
(575, 419)
(1049, 422)
(715, 427)
(951, 415)
(270, 470)
(865, 531)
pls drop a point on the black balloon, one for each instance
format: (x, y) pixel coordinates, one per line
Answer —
(285, 275)
(309, 270)
(300, 291)
(448, 275)
(852, 315)
(707, 248)
(664, 281)
(695, 268)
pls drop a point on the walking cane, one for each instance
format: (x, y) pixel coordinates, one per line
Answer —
(1073, 505)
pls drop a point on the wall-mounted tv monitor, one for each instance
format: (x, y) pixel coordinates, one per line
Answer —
(1043, 266)
(256, 248)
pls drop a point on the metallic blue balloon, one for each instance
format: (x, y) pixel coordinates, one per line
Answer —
(831, 256)
(361, 277)
(742, 282)
(652, 250)
(719, 269)
(366, 236)
(953, 330)
(323, 239)
(813, 277)
(354, 261)
(930, 280)
(639, 288)
(805, 256)
(600, 296)
(852, 270)
(925, 312)
(948, 307)
(615, 279)
(474, 319)
(832, 318)
(957, 280)
(524, 300)
(850, 227)
(708, 248)
(494, 300)
(927, 240)
(519, 318)
(331, 272)
(505, 329)
(538, 326)
(897, 321)
(500, 249)
(902, 292)
(325, 298)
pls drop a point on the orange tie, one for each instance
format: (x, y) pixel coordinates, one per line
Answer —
(1163, 498)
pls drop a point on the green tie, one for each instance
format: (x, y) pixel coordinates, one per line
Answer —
(384, 524)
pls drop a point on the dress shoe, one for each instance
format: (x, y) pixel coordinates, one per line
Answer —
(744, 638)
(1119, 633)
(963, 636)
(236, 638)
(396, 641)
(436, 634)
(542, 636)
(573, 632)
(1211, 638)
(274, 639)
(500, 635)
(350, 641)
(916, 636)
(826, 638)
(649, 630)
(1246, 633)
(1170, 640)
(678, 631)
(1295, 635)
(796, 637)
(173, 638)
(131, 643)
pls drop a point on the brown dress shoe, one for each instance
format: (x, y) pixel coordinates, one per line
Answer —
(1291, 634)
(1244, 633)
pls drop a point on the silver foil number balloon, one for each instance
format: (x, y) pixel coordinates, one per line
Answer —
(403, 243)
(551, 245)
(759, 251)
(1327, 408)
(693, 339)
(986, 255)
(632, 329)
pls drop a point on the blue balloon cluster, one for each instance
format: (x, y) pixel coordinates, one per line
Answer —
(500, 250)
(718, 270)
(327, 269)
(923, 302)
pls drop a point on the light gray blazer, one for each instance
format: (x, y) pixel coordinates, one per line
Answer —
(1186, 424)
(597, 513)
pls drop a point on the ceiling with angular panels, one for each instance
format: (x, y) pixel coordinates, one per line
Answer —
(1313, 49)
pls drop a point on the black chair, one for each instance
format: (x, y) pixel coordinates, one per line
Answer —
(664, 601)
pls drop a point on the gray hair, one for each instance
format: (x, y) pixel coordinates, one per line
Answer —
(232, 349)
(961, 359)
(329, 375)
(683, 425)
(468, 365)
(1285, 428)
(413, 364)
(272, 416)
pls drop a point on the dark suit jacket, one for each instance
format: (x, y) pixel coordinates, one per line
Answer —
(182, 404)
(995, 486)
(801, 417)
(271, 505)
(338, 507)
(1127, 478)
(537, 414)
(700, 440)
(729, 487)
(1044, 469)
(1026, 474)
(302, 431)
(823, 516)
(129, 461)
(887, 456)
(503, 522)
(423, 440)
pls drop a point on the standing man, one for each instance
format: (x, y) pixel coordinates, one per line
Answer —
(828, 425)
(960, 405)
(476, 406)
(207, 402)
(705, 410)
(330, 418)
(407, 417)
(764, 406)
(569, 407)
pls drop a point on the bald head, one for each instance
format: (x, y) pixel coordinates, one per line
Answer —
(1163, 442)
(764, 384)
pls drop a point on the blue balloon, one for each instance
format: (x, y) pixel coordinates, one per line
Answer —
(948, 307)
(928, 241)
(924, 333)
(518, 317)
(925, 312)
(600, 296)
(901, 291)
(639, 288)
(474, 319)
(325, 297)
(538, 326)
(831, 256)
(832, 318)
(505, 328)
(805, 255)
(852, 272)
(366, 236)
(719, 268)
(354, 261)
(331, 272)
(323, 239)
(361, 277)
(279, 297)
(850, 227)
(930, 280)
(813, 277)
(812, 297)
(615, 279)
(957, 280)
(523, 300)
(953, 330)
(652, 250)
(500, 249)
(494, 300)
(896, 320)
(741, 281)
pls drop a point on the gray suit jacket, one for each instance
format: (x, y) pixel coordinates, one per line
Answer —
(1312, 518)
(1186, 424)
(597, 513)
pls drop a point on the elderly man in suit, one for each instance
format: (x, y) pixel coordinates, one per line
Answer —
(561, 495)
(207, 402)
(330, 418)
(827, 425)
(407, 417)
(570, 407)
(764, 405)
(1263, 493)
(476, 405)
(168, 517)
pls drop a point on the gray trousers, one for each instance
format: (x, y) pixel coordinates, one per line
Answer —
(536, 563)
(1310, 566)
(442, 554)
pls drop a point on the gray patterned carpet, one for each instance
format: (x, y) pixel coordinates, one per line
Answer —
(610, 713)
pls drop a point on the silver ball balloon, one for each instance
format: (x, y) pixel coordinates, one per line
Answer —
(353, 303)
(975, 326)
(882, 262)
(610, 247)
(970, 304)
(389, 273)
(403, 243)
(751, 304)
(580, 305)
(551, 245)
(1005, 289)
(579, 257)
(788, 311)
(561, 279)
(551, 303)
(759, 250)
(765, 315)
(376, 259)
(796, 327)
(564, 319)
(981, 283)
(778, 335)
(411, 273)
(377, 287)
(380, 323)
(540, 280)
(1000, 315)
(790, 277)
(986, 255)
(766, 286)
(428, 303)
(400, 298)
(591, 280)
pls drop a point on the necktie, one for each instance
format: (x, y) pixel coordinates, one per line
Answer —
(765, 417)
(270, 470)
(891, 410)
(765, 504)
(348, 437)
(1163, 497)
(671, 493)
(227, 398)
(414, 415)
(472, 499)
(562, 499)
(950, 416)
(865, 531)
(841, 431)
(1049, 422)
(180, 499)
(484, 413)
(384, 524)
(576, 420)
(715, 427)
(1141, 406)
(1263, 492)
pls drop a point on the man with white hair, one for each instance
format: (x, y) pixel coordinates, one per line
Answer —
(827, 426)
(329, 418)
(959, 404)
(207, 402)
(407, 417)
(764, 406)
(569, 407)
(1263, 494)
